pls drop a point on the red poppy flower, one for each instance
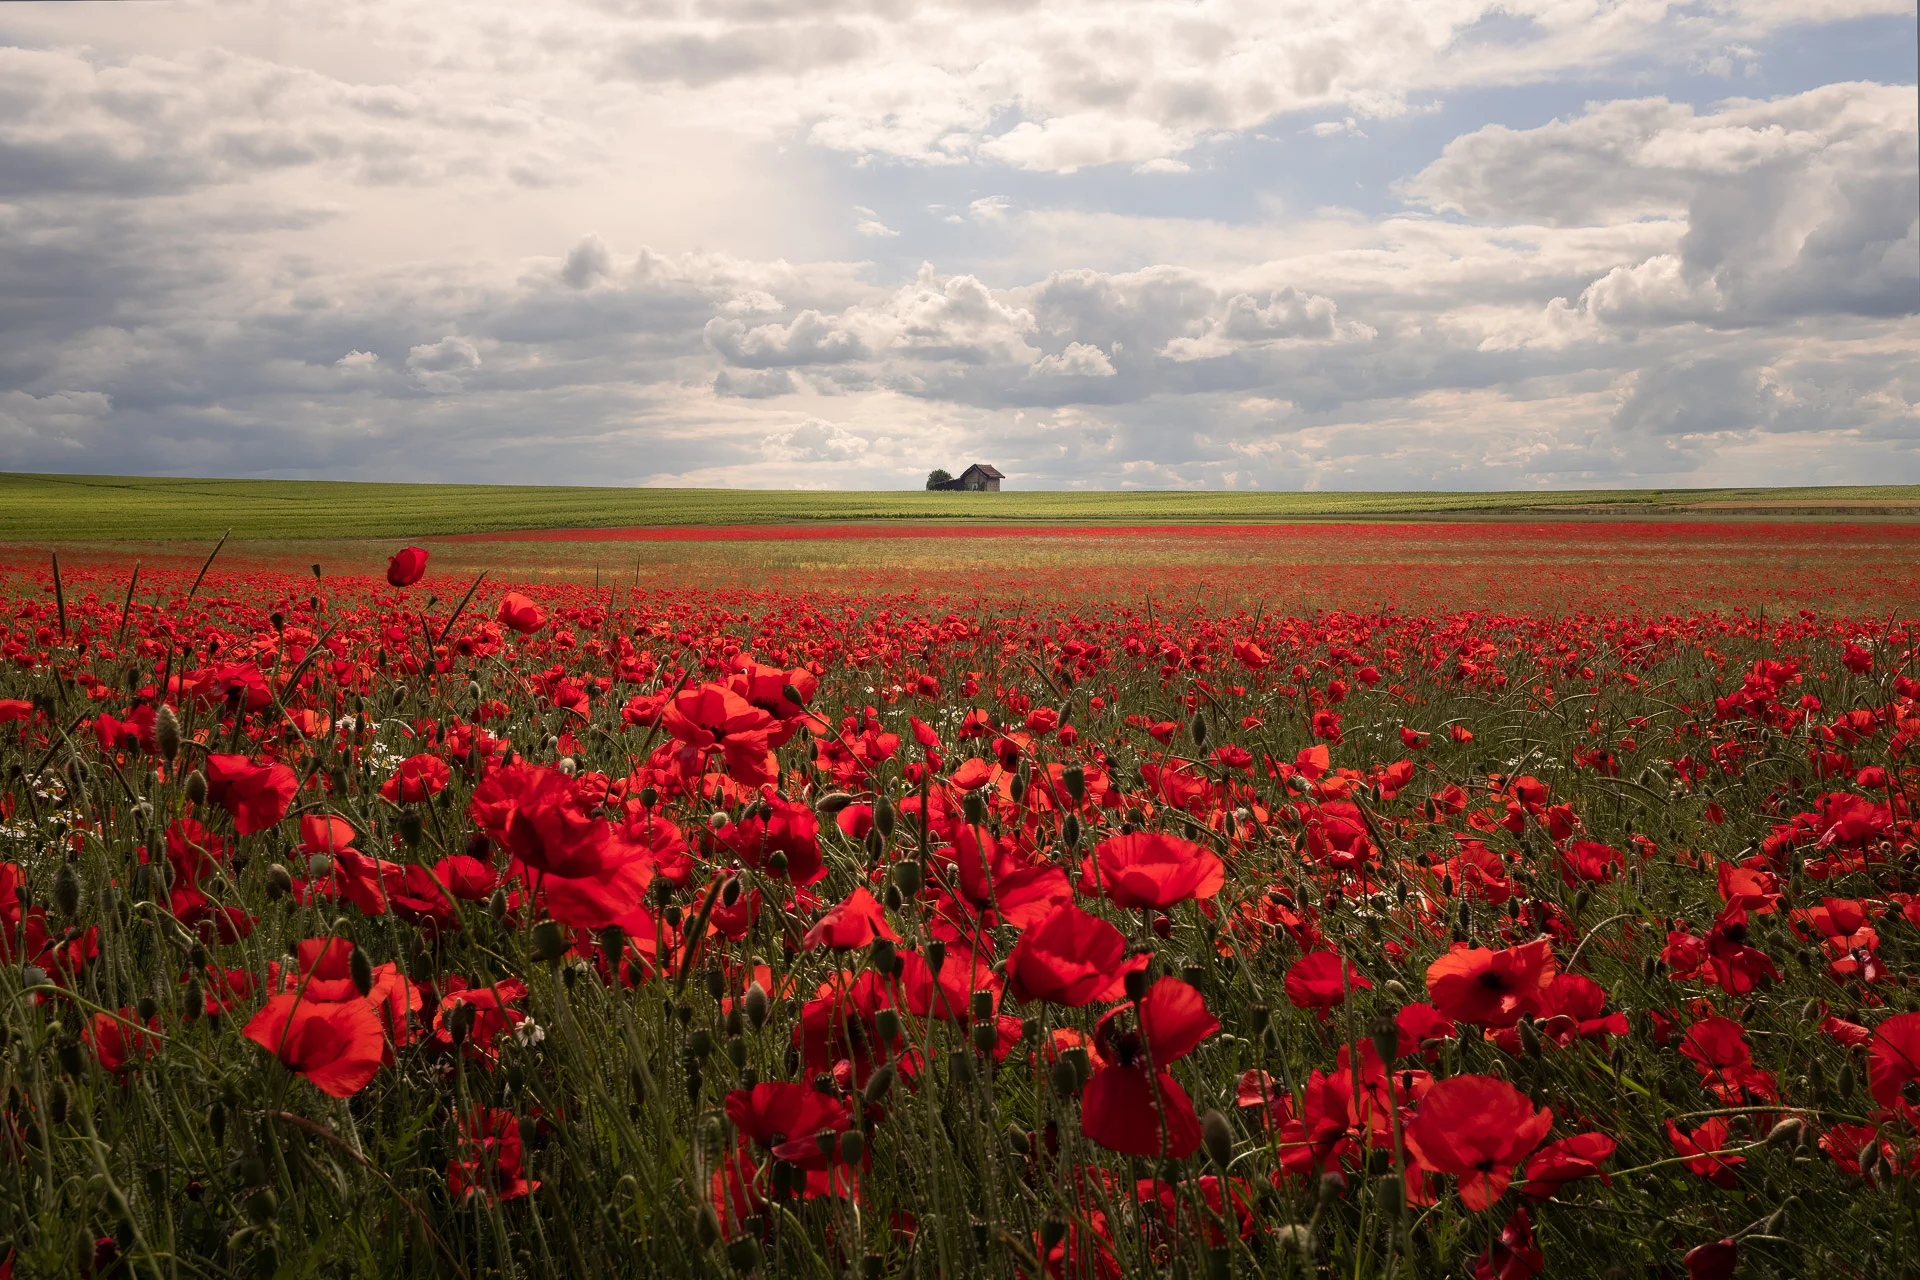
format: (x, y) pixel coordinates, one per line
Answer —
(487, 1160)
(1149, 870)
(533, 812)
(407, 567)
(1315, 981)
(1894, 1060)
(786, 1119)
(713, 719)
(854, 923)
(338, 1046)
(1705, 1144)
(1568, 1160)
(1120, 1110)
(118, 1046)
(1715, 1261)
(517, 613)
(1478, 1127)
(1024, 891)
(257, 795)
(1070, 958)
(418, 778)
(1513, 1256)
(1491, 988)
(787, 828)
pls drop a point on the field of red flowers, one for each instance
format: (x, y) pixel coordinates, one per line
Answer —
(919, 922)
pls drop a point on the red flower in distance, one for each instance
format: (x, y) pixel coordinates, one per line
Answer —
(336, 1045)
(257, 795)
(1070, 958)
(1491, 988)
(1149, 870)
(1479, 1128)
(407, 567)
(517, 613)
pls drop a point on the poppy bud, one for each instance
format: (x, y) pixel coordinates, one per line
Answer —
(1786, 1133)
(460, 1022)
(1074, 779)
(792, 694)
(830, 804)
(777, 862)
(884, 818)
(1392, 1191)
(1018, 1140)
(960, 1067)
(758, 1006)
(1197, 729)
(279, 881)
(1258, 1016)
(420, 967)
(1331, 1185)
(195, 1002)
(1529, 1037)
(908, 878)
(166, 732)
(1070, 830)
(197, 787)
(410, 827)
(217, 1123)
(66, 890)
(730, 892)
(1017, 788)
(1052, 1232)
(1135, 984)
(706, 1227)
(1218, 1137)
(261, 1206)
(1386, 1039)
(974, 806)
(878, 1084)
(886, 1023)
(1844, 1086)
(743, 1254)
(497, 905)
(700, 1043)
(853, 1145)
(68, 1053)
(57, 1103)
(360, 969)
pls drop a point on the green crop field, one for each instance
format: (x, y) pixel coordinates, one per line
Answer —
(110, 508)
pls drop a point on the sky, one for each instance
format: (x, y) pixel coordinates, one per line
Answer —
(1249, 244)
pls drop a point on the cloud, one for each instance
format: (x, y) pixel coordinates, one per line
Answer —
(1078, 361)
(815, 441)
(875, 227)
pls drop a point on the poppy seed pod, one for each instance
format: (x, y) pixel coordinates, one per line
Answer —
(935, 954)
(279, 881)
(743, 1254)
(1386, 1038)
(613, 942)
(853, 1145)
(1135, 984)
(986, 1036)
(974, 807)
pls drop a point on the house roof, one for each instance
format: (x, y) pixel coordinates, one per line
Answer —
(986, 469)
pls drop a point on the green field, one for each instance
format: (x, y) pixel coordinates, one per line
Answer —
(108, 508)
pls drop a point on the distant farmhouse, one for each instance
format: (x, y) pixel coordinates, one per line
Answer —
(981, 477)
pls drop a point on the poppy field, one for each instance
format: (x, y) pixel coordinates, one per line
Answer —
(1536, 912)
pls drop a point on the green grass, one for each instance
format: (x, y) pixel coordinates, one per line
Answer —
(86, 508)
